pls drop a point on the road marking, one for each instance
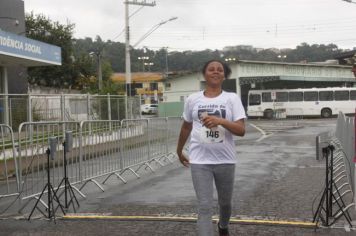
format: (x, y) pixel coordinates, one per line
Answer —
(233, 220)
(264, 134)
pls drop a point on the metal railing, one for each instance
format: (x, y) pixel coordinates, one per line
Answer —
(33, 143)
(101, 149)
(8, 163)
(345, 133)
(18, 108)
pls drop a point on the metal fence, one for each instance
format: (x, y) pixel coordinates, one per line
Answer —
(33, 142)
(101, 148)
(18, 108)
(345, 133)
(340, 170)
(8, 163)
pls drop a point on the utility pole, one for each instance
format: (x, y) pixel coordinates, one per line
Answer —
(127, 40)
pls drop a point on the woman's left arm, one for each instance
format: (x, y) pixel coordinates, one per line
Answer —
(235, 127)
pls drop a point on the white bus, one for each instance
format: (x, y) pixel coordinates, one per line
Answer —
(323, 102)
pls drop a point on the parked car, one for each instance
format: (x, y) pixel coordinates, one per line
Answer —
(149, 108)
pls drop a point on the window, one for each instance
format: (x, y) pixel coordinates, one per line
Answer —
(296, 96)
(326, 95)
(168, 86)
(254, 99)
(281, 96)
(310, 96)
(341, 95)
(266, 97)
(353, 95)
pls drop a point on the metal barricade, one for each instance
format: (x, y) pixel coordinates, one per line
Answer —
(158, 136)
(99, 149)
(33, 138)
(135, 145)
(9, 184)
(173, 128)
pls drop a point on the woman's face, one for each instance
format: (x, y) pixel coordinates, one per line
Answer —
(214, 74)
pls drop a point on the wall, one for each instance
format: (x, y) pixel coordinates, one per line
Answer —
(182, 87)
(170, 109)
(17, 75)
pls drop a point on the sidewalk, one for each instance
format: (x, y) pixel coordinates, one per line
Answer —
(276, 178)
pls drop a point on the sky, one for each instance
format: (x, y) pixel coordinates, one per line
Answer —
(209, 24)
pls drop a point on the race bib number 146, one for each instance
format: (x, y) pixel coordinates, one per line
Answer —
(213, 135)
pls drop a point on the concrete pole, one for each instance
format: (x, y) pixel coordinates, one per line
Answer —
(100, 74)
(127, 51)
(6, 102)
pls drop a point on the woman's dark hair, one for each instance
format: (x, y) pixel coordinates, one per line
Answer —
(227, 69)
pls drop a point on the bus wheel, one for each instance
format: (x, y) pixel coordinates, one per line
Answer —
(326, 113)
(268, 114)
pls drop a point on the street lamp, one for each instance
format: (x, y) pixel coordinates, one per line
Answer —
(230, 59)
(143, 62)
(127, 41)
(153, 28)
(149, 64)
(282, 57)
(99, 71)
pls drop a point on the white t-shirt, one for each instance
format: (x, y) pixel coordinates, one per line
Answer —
(215, 146)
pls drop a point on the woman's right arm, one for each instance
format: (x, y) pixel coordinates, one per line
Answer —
(183, 136)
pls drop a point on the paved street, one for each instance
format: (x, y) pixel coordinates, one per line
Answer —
(277, 177)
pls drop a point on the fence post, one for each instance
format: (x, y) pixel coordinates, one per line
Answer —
(126, 107)
(109, 111)
(62, 101)
(6, 91)
(81, 151)
(29, 108)
(167, 135)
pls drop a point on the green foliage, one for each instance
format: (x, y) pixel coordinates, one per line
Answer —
(80, 57)
(114, 52)
(41, 28)
(79, 68)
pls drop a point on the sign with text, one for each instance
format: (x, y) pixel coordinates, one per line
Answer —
(22, 47)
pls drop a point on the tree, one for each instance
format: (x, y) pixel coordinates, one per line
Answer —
(41, 28)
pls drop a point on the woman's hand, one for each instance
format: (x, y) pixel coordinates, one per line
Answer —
(211, 121)
(235, 127)
(183, 160)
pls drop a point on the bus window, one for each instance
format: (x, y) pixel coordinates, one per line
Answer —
(341, 95)
(266, 97)
(254, 99)
(326, 96)
(310, 96)
(353, 95)
(295, 96)
(281, 96)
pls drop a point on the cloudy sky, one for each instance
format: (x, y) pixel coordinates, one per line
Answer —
(211, 24)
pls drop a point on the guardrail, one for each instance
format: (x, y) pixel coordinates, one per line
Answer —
(342, 169)
(32, 144)
(8, 163)
(101, 148)
(337, 197)
(345, 132)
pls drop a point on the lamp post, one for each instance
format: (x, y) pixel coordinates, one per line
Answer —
(127, 41)
(149, 64)
(282, 57)
(153, 28)
(99, 71)
(143, 62)
(230, 59)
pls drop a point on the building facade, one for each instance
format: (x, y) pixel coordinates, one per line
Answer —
(248, 75)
